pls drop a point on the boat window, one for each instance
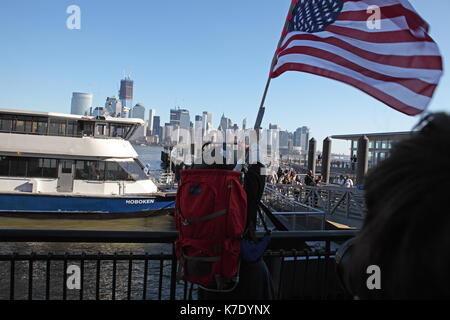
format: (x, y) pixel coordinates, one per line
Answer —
(111, 171)
(112, 130)
(85, 128)
(28, 167)
(4, 166)
(62, 127)
(34, 168)
(22, 124)
(71, 128)
(66, 166)
(18, 125)
(127, 129)
(39, 126)
(89, 170)
(118, 130)
(84, 170)
(102, 129)
(57, 127)
(108, 171)
(134, 171)
(18, 167)
(114, 172)
(50, 168)
(81, 172)
(5, 123)
(97, 171)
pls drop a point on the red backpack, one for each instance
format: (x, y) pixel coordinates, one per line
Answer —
(211, 216)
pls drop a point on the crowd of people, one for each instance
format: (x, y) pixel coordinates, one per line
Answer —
(290, 176)
(344, 181)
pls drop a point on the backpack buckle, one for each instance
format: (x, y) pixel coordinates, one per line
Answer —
(185, 223)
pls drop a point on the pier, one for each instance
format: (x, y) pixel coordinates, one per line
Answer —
(327, 205)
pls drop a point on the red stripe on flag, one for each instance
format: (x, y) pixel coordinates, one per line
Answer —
(417, 62)
(377, 94)
(414, 20)
(416, 85)
(387, 12)
(377, 37)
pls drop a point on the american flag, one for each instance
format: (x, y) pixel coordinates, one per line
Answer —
(397, 62)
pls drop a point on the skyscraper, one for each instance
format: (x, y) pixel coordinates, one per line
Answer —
(126, 92)
(301, 138)
(244, 124)
(139, 112)
(225, 123)
(284, 139)
(274, 127)
(157, 126)
(207, 122)
(180, 118)
(113, 106)
(198, 126)
(168, 129)
(297, 137)
(151, 116)
(81, 103)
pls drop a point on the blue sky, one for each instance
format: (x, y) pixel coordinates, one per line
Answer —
(198, 54)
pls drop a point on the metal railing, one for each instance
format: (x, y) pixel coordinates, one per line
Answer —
(292, 213)
(344, 202)
(301, 266)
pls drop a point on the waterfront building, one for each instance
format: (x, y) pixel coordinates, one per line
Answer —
(380, 144)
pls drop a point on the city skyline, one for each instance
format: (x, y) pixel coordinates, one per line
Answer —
(223, 65)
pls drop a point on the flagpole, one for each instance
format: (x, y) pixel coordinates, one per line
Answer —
(262, 109)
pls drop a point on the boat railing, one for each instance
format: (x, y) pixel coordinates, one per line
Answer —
(166, 181)
(299, 270)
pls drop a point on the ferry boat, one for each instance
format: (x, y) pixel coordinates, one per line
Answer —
(62, 163)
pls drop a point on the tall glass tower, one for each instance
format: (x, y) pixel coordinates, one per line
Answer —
(126, 93)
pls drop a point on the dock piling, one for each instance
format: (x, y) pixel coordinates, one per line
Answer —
(362, 156)
(312, 156)
(326, 160)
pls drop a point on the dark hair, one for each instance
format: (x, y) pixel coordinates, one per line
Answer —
(407, 228)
